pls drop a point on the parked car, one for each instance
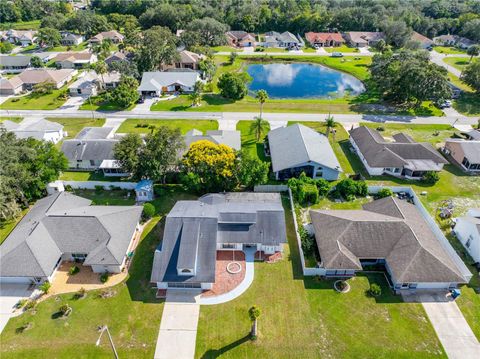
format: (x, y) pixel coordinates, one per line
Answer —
(337, 54)
(444, 104)
(141, 100)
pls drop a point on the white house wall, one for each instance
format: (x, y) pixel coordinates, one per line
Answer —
(372, 171)
(463, 229)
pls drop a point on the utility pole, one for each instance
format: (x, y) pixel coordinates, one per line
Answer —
(105, 328)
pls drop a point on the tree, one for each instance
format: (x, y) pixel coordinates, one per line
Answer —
(471, 75)
(330, 123)
(101, 68)
(210, 32)
(208, 67)
(6, 47)
(49, 37)
(158, 48)
(232, 57)
(232, 86)
(349, 189)
(380, 46)
(125, 94)
(148, 211)
(45, 87)
(473, 50)
(259, 127)
(431, 177)
(159, 153)
(127, 151)
(385, 192)
(396, 32)
(262, 97)
(252, 171)
(196, 95)
(471, 29)
(36, 62)
(87, 23)
(209, 167)
(253, 313)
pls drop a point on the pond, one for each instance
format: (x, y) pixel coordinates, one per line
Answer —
(301, 80)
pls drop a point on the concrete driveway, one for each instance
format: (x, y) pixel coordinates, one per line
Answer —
(10, 294)
(73, 103)
(451, 327)
(178, 328)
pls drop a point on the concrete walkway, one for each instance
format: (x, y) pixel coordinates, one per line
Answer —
(238, 290)
(178, 328)
(451, 327)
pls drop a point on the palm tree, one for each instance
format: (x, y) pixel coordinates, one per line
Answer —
(473, 50)
(100, 68)
(259, 126)
(261, 96)
(196, 95)
(254, 313)
(330, 123)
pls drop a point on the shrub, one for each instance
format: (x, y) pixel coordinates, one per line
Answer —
(98, 189)
(349, 189)
(24, 327)
(15, 99)
(430, 177)
(375, 290)
(68, 188)
(104, 277)
(308, 241)
(80, 294)
(65, 310)
(148, 211)
(31, 304)
(308, 190)
(73, 270)
(21, 303)
(385, 192)
(307, 193)
(45, 287)
(380, 128)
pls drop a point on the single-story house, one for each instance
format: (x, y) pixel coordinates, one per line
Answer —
(71, 39)
(88, 154)
(402, 158)
(285, 39)
(464, 43)
(224, 137)
(86, 85)
(389, 232)
(12, 86)
(324, 39)
(467, 230)
(363, 38)
(297, 148)
(196, 230)
(144, 191)
(38, 128)
(23, 37)
(75, 60)
(114, 36)
(115, 57)
(445, 40)
(425, 42)
(111, 79)
(32, 77)
(240, 38)
(63, 227)
(464, 153)
(96, 133)
(188, 60)
(473, 134)
(14, 64)
(156, 83)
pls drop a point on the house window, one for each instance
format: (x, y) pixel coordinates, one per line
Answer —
(79, 91)
(397, 170)
(228, 246)
(465, 162)
(92, 163)
(186, 271)
(405, 285)
(469, 241)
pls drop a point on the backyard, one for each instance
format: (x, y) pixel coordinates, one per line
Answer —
(133, 125)
(249, 140)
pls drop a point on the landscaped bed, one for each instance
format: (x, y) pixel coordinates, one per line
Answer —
(133, 125)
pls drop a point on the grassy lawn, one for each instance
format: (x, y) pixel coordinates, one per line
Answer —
(308, 319)
(468, 104)
(74, 125)
(131, 125)
(13, 119)
(457, 62)
(343, 48)
(225, 49)
(449, 50)
(80, 47)
(459, 83)
(249, 140)
(34, 101)
(309, 50)
(7, 227)
(271, 49)
(22, 25)
(133, 314)
(86, 176)
(98, 103)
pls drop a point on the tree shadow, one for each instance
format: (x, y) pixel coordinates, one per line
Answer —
(388, 296)
(57, 315)
(292, 241)
(215, 353)
(216, 100)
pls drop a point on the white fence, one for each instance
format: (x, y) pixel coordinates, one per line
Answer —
(104, 184)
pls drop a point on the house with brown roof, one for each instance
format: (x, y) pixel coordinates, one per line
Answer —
(112, 35)
(425, 42)
(31, 77)
(240, 38)
(11, 86)
(74, 60)
(464, 153)
(187, 60)
(392, 233)
(402, 158)
(115, 57)
(22, 37)
(363, 38)
(324, 39)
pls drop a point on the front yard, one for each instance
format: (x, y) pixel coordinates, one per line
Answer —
(458, 62)
(449, 50)
(74, 125)
(134, 125)
(343, 48)
(100, 103)
(35, 101)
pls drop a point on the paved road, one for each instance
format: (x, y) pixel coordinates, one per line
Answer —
(296, 53)
(178, 328)
(437, 58)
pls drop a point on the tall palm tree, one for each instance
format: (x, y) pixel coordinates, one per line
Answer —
(262, 97)
(254, 312)
(473, 50)
(259, 127)
(330, 123)
(101, 68)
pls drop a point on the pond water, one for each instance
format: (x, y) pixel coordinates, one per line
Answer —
(301, 80)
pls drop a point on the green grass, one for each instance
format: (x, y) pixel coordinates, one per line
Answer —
(309, 50)
(306, 318)
(449, 50)
(29, 48)
(21, 25)
(459, 83)
(458, 62)
(249, 140)
(343, 48)
(130, 125)
(8, 226)
(74, 125)
(99, 103)
(86, 176)
(13, 119)
(271, 50)
(225, 49)
(79, 47)
(35, 101)
(468, 104)
(133, 314)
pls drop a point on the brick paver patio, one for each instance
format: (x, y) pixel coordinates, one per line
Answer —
(225, 281)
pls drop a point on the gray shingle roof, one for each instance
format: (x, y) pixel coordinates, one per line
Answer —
(98, 150)
(65, 223)
(94, 133)
(389, 229)
(32, 127)
(193, 229)
(297, 144)
(18, 60)
(155, 81)
(471, 149)
(380, 153)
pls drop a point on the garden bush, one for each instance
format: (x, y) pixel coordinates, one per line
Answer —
(99, 189)
(65, 310)
(73, 270)
(308, 190)
(148, 211)
(21, 303)
(104, 277)
(31, 304)
(308, 193)
(308, 241)
(385, 192)
(45, 287)
(375, 290)
(349, 189)
(430, 177)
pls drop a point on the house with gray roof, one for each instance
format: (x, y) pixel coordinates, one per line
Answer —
(402, 158)
(14, 64)
(196, 230)
(464, 153)
(224, 137)
(63, 227)
(157, 83)
(37, 128)
(96, 133)
(467, 230)
(88, 154)
(70, 39)
(297, 148)
(389, 232)
(284, 39)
